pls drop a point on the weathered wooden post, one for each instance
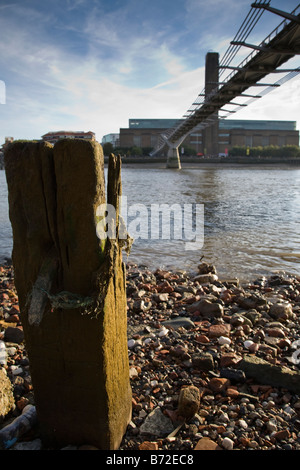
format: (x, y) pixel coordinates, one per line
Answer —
(71, 288)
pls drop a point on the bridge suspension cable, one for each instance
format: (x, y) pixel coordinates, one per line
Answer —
(245, 29)
(204, 110)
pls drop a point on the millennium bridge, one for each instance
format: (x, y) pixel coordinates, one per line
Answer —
(266, 58)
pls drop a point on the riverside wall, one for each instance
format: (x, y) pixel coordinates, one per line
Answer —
(223, 161)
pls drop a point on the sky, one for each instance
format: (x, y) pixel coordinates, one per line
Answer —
(91, 65)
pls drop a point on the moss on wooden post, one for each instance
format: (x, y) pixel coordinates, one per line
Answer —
(71, 289)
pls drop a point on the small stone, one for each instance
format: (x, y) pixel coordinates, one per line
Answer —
(207, 444)
(232, 392)
(156, 424)
(14, 335)
(16, 370)
(226, 297)
(161, 297)
(13, 318)
(206, 278)
(217, 384)
(251, 301)
(271, 425)
(178, 322)
(281, 310)
(163, 332)
(222, 340)
(227, 443)
(188, 401)
(131, 343)
(284, 343)
(275, 332)
(253, 316)
(236, 320)
(142, 414)
(216, 331)
(147, 445)
(281, 435)
(205, 268)
(202, 339)
(203, 361)
(234, 375)
(179, 350)
(254, 347)
(207, 308)
(133, 372)
(242, 423)
(229, 359)
(11, 351)
(269, 374)
(253, 444)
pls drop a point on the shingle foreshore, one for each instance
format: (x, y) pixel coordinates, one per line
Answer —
(214, 364)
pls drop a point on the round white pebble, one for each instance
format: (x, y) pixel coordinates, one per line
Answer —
(16, 370)
(224, 340)
(131, 343)
(271, 425)
(248, 343)
(163, 332)
(227, 443)
(243, 424)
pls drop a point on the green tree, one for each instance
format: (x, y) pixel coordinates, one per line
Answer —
(108, 148)
(136, 151)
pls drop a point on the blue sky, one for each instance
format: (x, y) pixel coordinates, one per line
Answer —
(93, 64)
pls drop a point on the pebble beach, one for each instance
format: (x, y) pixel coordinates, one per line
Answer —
(213, 363)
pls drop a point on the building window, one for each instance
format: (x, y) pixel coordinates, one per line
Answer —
(248, 140)
(153, 140)
(137, 140)
(265, 140)
(281, 140)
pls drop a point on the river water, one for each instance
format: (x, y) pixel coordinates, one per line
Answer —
(251, 218)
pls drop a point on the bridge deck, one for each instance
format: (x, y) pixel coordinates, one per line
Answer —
(272, 53)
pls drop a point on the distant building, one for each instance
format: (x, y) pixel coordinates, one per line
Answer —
(144, 132)
(219, 137)
(253, 133)
(53, 137)
(113, 139)
(250, 133)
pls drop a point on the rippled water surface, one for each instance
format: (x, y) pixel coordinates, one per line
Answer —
(251, 217)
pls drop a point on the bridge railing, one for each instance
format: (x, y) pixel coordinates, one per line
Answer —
(265, 42)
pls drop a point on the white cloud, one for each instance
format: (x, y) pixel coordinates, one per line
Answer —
(123, 74)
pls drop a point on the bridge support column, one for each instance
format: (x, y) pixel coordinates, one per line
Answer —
(173, 160)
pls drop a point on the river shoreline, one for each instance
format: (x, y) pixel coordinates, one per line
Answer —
(251, 216)
(211, 162)
(192, 332)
